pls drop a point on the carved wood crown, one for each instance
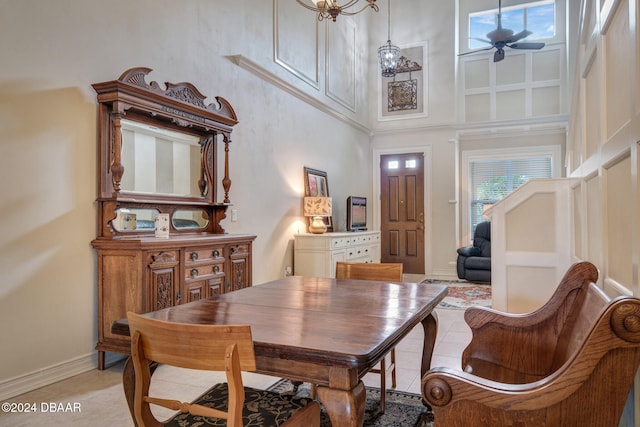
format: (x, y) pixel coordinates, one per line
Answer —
(182, 102)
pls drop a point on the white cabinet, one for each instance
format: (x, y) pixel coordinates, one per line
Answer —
(316, 254)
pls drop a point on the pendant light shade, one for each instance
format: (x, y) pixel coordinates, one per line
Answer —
(389, 54)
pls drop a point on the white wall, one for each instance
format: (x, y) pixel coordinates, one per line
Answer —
(51, 56)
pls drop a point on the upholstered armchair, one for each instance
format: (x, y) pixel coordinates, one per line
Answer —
(474, 262)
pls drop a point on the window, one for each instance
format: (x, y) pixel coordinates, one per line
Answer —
(538, 17)
(491, 175)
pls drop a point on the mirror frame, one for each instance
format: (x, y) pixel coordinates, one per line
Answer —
(179, 107)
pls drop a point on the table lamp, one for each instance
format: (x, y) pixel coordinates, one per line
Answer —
(317, 207)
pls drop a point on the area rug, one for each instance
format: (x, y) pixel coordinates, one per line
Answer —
(403, 409)
(462, 295)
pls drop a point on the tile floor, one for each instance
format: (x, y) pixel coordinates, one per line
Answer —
(99, 400)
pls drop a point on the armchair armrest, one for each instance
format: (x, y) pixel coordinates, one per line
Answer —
(492, 331)
(469, 251)
(459, 399)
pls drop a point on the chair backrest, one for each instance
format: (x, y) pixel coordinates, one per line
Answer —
(538, 333)
(388, 271)
(482, 238)
(204, 347)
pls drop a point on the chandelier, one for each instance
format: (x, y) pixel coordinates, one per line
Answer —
(330, 8)
(389, 54)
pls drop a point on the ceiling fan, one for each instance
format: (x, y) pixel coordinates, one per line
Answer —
(503, 37)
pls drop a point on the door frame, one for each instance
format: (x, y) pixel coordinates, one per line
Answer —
(427, 151)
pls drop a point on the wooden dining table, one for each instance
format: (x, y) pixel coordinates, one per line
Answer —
(328, 332)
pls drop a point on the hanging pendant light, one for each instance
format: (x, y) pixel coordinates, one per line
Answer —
(389, 54)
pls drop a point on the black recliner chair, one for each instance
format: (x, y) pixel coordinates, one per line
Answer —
(474, 262)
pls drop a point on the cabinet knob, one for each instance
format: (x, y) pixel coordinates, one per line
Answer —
(194, 272)
(216, 268)
(194, 256)
(216, 253)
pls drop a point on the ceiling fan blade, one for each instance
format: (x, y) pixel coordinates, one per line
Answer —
(474, 51)
(526, 45)
(519, 36)
(480, 40)
(498, 56)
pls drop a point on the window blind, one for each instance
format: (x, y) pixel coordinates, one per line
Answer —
(493, 179)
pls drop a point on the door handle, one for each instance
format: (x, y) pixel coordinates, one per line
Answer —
(420, 221)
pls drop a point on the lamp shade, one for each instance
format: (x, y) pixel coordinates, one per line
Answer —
(317, 206)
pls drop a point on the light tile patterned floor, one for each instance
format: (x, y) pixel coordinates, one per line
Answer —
(101, 399)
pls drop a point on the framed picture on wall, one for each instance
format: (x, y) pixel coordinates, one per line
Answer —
(316, 184)
(404, 96)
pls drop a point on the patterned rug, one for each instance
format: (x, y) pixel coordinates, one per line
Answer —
(403, 409)
(464, 294)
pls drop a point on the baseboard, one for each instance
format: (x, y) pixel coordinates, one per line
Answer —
(25, 383)
(444, 274)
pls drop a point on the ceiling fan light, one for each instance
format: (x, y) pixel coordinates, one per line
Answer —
(389, 55)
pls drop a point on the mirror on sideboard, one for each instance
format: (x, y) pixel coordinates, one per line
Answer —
(143, 219)
(159, 161)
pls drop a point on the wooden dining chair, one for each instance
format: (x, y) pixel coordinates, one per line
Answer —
(226, 348)
(391, 272)
(572, 362)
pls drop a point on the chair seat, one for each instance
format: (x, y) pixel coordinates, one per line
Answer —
(261, 408)
(478, 263)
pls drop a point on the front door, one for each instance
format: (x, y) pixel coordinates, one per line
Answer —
(402, 210)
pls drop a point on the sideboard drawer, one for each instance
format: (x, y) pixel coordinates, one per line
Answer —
(203, 271)
(200, 255)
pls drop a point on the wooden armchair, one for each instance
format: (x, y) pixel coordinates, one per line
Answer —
(570, 363)
(391, 272)
(216, 348)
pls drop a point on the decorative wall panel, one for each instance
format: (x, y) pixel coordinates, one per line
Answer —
(618, 69)
(295, 38)
(510, 104)
(341, 62)
(594, 221)
(619, 211)
(592, 108)
(578, 207)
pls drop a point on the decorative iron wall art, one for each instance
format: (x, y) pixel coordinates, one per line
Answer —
(405, 95)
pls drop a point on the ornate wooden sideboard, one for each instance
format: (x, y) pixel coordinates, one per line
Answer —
(159, 154)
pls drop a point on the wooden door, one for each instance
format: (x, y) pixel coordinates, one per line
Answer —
(402, 210)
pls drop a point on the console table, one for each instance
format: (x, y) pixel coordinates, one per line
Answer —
(317, 254)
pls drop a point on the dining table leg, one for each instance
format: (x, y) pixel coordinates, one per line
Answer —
(344, 407)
